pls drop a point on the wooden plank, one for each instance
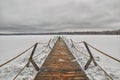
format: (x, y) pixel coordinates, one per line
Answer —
(59, 65)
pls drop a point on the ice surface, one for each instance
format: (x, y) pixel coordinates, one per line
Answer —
(13, 45)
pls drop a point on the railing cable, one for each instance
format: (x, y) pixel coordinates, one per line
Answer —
(100, 51)
(40, 52)
(81, 52)
(103, 53)
(20, 71)
(16, 56)
(96, 62)
(103, 70)
(43, 43)
(29, 61)
(48, 45)
(79, 42)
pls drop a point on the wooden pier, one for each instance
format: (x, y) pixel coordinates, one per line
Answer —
(60, 65)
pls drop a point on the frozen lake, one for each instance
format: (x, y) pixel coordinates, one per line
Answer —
(13, 45)
(10, 46)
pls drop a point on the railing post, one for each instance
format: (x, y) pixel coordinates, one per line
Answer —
(59, 38)
(33, 50)
(91, 56)
(31, 59)
(49, 43)
(72, 43)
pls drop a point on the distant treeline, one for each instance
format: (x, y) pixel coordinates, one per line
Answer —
(112, 32)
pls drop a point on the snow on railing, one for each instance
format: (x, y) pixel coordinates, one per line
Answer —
(33, 59)
(71, 45)
(83, 59)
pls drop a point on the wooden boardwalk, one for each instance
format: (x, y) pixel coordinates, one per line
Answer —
(60, 65)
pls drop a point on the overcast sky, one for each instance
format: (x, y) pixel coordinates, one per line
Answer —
(58, 15)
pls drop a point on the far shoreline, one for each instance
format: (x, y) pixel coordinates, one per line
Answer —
(115, 32)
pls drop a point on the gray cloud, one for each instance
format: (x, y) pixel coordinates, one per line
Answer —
(58, 15)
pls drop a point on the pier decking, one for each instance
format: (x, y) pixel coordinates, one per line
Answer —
(60, 65)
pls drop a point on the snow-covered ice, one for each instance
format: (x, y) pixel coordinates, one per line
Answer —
(109, 43)
(11, 46)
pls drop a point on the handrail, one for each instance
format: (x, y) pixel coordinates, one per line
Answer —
(81, 52)
(20, 71)
(16, 56)
(30, 59)
(96, 62)
(43, 43)
(49, 43)
(77, 48)
(99, 51)
(103, 53)
(103, 70)
(40, 52)
(79, 42)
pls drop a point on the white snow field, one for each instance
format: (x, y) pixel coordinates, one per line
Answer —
(10, 46)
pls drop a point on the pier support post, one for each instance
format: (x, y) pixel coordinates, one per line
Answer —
(91, 57)
(31, 58)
